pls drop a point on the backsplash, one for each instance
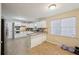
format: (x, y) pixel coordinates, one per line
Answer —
(35, 30)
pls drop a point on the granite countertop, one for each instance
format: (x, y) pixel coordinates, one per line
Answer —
(28, 33)
(36, 33)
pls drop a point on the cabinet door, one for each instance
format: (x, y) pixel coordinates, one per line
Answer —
(37, 39)
(43, 24)
(31, 25)
(38, 24)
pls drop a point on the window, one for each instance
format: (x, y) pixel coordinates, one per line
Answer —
(64, 27)
(56, 27)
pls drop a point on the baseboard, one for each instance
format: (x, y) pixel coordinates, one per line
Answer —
(53, 43)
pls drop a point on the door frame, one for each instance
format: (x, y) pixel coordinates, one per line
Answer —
(2, 36)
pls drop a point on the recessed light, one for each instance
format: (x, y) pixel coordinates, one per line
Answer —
(52, 6)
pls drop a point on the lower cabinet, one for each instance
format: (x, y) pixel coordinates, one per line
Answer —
(37, 39)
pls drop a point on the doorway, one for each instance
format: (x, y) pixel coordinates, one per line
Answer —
(11, 45)
(2, 36)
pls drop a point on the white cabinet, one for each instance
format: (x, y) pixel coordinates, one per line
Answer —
(40, 24)
(43, 24)
(27, 25)
(37, 24)
(37, 39)
(31, 25)
(18, 23)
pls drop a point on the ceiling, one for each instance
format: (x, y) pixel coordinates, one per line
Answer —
(33, 11)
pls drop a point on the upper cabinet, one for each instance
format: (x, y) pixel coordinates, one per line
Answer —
(31, 25)
(43, 24)
(40, 24)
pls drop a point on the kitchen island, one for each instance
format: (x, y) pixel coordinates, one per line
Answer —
(23, 44)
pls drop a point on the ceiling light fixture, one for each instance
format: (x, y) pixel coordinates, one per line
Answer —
(52, 6)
